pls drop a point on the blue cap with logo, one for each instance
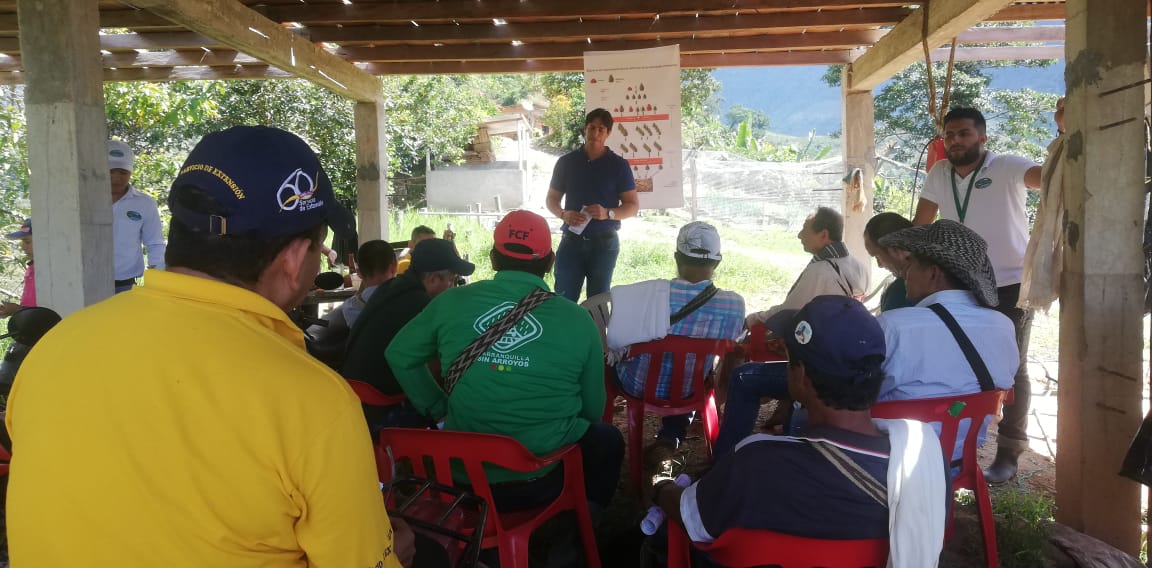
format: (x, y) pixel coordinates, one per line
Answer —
(833, 335)
(256, 180)
(25, 231)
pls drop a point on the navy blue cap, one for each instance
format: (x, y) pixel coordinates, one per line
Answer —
(434, 255)
(833, 335)
(25, 231)
(266, 182)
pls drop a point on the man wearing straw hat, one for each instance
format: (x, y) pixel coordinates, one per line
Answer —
(949, 277)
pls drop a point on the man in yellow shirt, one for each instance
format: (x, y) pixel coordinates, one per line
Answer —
(217, 441)
(405, 257)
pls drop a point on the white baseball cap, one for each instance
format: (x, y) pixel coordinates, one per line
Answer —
(699, 240)
(120, 156)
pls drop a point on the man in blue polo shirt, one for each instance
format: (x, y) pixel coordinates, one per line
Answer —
(598, 190)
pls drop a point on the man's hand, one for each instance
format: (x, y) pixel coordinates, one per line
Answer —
(574, 218)
(403, 541)
(8, 308)
(597, 211)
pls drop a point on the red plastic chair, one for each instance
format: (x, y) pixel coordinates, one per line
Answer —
(948, 412)
(760, 348)
(372, 397)
(508, 531)
(5, 460)
(702, 399)
(745, 548)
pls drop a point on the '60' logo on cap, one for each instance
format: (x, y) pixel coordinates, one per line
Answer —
(296, 191)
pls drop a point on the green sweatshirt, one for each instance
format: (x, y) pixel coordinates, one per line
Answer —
(542, 383)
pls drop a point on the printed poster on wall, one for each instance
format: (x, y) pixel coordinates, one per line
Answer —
(641, 88)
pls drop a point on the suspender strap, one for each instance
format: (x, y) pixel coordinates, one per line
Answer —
(970, 353)
(491, 336)
(693, 305)
(852, 471)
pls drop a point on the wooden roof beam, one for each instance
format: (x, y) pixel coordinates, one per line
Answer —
(800, 21)
(235, 25)
(575, 49)
(490, 9)
(902, 46)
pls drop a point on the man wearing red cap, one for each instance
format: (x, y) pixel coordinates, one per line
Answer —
(541, 382)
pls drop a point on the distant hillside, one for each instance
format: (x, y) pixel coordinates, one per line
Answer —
(797, 101)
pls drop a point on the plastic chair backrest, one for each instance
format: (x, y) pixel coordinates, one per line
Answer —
(372, 397)
(758, 348)
(949, 411)
(745, 548)
(474, 451)
(600, 308)
(679, 347)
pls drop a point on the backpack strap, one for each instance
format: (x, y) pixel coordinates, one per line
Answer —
(693, 305)
(852, 471)
(491, 336)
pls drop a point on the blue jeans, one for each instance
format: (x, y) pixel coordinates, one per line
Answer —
(749, 382)
(591, 258)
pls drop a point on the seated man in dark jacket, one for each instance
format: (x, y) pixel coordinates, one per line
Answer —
(435, 267)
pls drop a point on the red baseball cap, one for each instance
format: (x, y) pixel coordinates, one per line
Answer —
(528, 231)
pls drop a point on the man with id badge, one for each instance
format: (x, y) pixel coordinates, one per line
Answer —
(987, 193)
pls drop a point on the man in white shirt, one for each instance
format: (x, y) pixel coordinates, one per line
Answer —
(135, 221)
(948, 276)
(833, 271)
(987, 193)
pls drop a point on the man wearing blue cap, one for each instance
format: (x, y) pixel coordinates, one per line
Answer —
(222, 442)
(28, 293)
(849, 476)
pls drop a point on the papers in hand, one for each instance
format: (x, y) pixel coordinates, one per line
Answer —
(578, 229)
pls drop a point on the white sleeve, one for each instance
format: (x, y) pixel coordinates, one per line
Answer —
(690, 514)
(152, 235)
(933, 187)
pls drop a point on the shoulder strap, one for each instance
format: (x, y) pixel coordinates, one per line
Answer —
(852, 471)
(693, 305)
(492, 335)
(847, 291)
(970, 353)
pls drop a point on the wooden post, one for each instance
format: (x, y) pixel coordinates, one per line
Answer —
(371, 172)
(67, 153)
(859, 140)
(1101, 332)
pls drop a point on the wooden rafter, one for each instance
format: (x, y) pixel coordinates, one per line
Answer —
(504, 51)
(243, 29)
(794, 22)
(902, 46)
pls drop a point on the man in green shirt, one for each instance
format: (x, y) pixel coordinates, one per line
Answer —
(541, 383)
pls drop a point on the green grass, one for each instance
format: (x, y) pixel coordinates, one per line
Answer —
(644, 254)
(1019, 532)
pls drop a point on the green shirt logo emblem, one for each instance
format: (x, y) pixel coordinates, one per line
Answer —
(525, 330)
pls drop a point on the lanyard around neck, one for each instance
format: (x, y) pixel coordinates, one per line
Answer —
(962, 210)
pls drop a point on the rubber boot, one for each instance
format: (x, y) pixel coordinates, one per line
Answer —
(1004, 467)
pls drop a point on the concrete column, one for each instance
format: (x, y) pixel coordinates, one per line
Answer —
(859, 147)
(1101, 335)
(67, 152)
(371, 172)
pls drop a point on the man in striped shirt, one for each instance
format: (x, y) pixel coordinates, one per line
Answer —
(720, 317)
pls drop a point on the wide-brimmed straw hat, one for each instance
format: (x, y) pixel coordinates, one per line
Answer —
(957, 249)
